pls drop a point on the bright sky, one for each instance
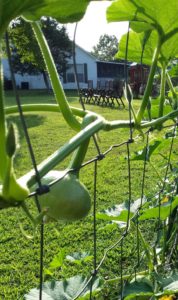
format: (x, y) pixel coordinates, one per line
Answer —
(94, 24)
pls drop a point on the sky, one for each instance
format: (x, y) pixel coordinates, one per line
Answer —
(94, 24)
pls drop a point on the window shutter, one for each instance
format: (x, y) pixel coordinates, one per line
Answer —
(85, 73)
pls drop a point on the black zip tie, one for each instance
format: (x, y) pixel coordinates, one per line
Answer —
(100, 156)
(43, 189)
(130, 141)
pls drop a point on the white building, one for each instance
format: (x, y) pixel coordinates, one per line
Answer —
(86, 70)
(91, 73)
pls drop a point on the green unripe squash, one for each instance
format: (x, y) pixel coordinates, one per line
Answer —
(67, 200)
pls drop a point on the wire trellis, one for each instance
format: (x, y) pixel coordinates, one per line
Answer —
(119, 244)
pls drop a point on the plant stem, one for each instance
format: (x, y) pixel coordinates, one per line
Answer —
(160, 121)
(169, 81)
(152, 165)
(149, 85)
(64, 151)
(162, 90)
(55, 81)
(147, 248)
(107, 126)
(172, 89)
(3, 156)
(79, 154)
(44, 107)
(148, 252)
(26, 210)
(125, 277)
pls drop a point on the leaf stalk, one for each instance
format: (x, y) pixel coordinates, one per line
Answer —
(149, 85)
(55, 81)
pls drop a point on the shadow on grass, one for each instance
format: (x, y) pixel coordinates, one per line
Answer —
(30, 120)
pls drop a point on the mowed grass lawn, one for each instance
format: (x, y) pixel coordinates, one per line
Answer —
(19, 256)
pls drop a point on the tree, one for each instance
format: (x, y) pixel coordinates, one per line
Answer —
(27, 57)
(106, 48)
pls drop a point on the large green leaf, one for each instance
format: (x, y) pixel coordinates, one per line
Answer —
(135, 47)
(159, 14)
(63, 10)
(122, 211)
(145, 16)
(169, 285)
(166, 281)
(163, 211)
(146, 153)
(172, 287)
(145, 43)
(65, 290)
(58, 260)
(79, 257)
(139, 288)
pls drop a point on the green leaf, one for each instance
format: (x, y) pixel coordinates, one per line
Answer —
(64, 10)
(77, 257)
(164, 282)
(172, 287)
(139, 288)
(145, 19)
(121, 212)
(135, 48)
(11, 141)
(163, 212)
(160, 14)
(140, 26)
(66, 289)
(58, 260)
(140, 155)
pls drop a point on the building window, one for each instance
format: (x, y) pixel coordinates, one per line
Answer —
(110, 70)
(70, 75)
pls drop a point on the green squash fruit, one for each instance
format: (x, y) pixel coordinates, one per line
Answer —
(67, 200)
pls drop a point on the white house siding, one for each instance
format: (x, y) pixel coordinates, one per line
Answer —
(34, 81)
(86, 61)
(91, 73)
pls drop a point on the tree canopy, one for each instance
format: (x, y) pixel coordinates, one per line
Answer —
(27, 57)
(106, 48)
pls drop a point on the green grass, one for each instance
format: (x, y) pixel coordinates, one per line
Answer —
(20, 257)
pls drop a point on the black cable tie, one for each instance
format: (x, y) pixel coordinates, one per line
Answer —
(94, 273)
(100, 156)
(43, 189)
(125, 234)
(151, 129)
(130, 141)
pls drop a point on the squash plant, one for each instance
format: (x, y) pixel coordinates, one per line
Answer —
(153, 22)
